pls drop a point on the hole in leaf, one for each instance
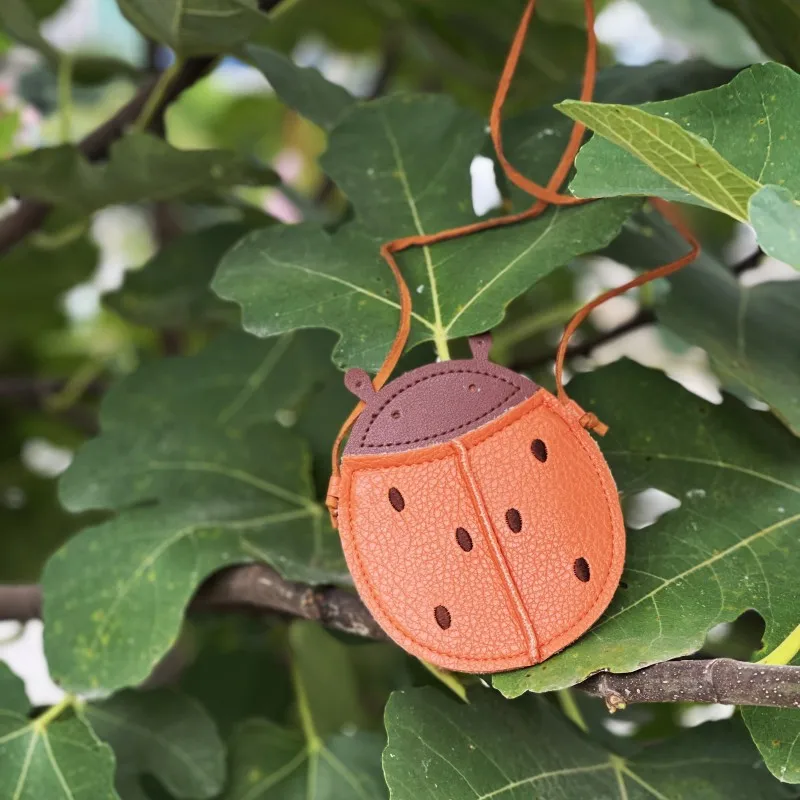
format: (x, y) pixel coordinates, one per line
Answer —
(643, 509)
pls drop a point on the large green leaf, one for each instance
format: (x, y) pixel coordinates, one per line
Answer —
(140, 167)
(731, 545)
(203, 477)
(749, 332)
(172, 288)
(196, 27)
(706, 30)
(440, 749)
(749, 122)
(419, 148)
(301, 88)
(404, 163)
(775, 215)
(687, 160)
(161, 733)
(57, 759)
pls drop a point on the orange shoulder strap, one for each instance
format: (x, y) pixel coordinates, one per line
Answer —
(544, 196)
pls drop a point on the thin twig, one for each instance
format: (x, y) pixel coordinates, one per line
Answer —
(260, 588)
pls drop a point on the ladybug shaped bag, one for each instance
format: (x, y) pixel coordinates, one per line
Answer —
(479, 520)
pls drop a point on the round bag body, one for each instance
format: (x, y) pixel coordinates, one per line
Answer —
(479, 520)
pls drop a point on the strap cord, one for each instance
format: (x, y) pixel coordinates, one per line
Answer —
(544, 196)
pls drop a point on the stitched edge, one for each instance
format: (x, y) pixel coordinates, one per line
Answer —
(395, 395)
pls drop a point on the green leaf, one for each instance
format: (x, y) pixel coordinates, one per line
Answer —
(161, 733)
(404, 163)
(57, 760)
(775, 215)
(268, 762)
(441, 749)
(20, 22)
(728, 548)
(687, 160)
(140, 167)
(196, 27)
(706, 30)
(749, 122)
(301, 88)
(203, 477)
(748, 331)
(172, 288)
(12, 692)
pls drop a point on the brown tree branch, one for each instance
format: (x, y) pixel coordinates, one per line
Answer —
(260, 588)
(717, 680)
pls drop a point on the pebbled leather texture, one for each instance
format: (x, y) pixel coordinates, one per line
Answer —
(486, 553)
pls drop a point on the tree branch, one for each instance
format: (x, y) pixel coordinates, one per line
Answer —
(717, 680)
(260, 588)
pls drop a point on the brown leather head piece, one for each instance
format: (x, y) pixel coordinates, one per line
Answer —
(434, 403)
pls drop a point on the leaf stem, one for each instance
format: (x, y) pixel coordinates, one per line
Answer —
(42, 721)
(785, 652)
(65, 66)
(566, 699)
(75, 386)
(440, 342)
(313, 739)
(156, 97)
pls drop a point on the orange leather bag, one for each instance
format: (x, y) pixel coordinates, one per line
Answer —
(479, 520)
